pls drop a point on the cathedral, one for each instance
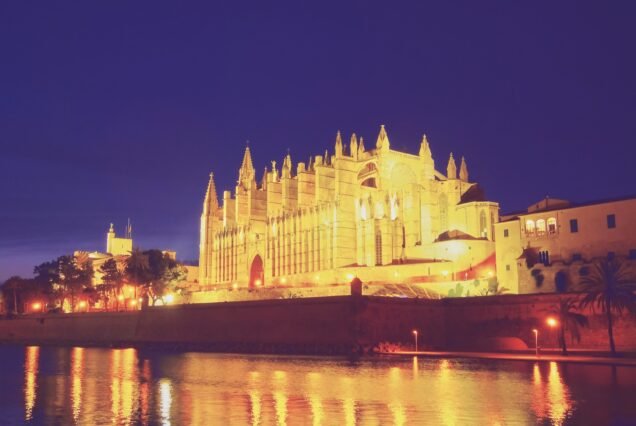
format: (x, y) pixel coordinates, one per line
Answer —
(369, 212)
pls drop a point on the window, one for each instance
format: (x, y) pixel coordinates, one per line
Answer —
(544, 257)
(482, 224)
(529, 227)
(611, 221)
(507, 267)
(540, 227)
(574, 225)
(506, 233)
(577, 257)
(378, 247)
(552, 226)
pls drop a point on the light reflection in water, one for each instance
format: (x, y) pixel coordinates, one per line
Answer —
(165, 401)
(112, 386)
(30, 379)
(77, 378)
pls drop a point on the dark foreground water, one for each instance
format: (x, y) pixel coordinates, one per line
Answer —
(49, 385)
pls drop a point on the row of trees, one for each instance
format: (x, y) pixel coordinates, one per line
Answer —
(67, 280)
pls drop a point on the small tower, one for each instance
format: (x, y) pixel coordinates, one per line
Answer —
(338, 146)
(361, 147)
(353, 146)
(383, 143)
(463, 171)
(110, 236)
(451, 169)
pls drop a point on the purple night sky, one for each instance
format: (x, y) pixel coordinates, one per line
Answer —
(111, 110)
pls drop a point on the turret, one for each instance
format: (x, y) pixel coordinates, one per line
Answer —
(338, 145)
(463, 171)
(110, 236)
(361, 147)
(383, 143)
(451, 169)
(353, 146)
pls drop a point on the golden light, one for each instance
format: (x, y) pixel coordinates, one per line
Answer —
(551, 322)
(350, 277)
(491, 274)
(258, 283)
(120, 298)
(317, 278)
(445, 273)
(140, 300)
(170, 298)
(235, 286)
(133, 303)
(283, 280)
(36, 306)
(82, 304)
(535, 331)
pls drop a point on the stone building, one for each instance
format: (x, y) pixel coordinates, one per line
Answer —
(549, 246)
(377, 213)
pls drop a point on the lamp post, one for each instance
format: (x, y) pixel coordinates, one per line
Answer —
(536, 341)
(415, 335)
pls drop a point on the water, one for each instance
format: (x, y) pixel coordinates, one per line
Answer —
(49, 385)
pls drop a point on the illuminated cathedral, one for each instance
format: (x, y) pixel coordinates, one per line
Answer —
(375, 213)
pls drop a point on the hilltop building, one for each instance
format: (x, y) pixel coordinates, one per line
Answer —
(376, 213)
(548, 247)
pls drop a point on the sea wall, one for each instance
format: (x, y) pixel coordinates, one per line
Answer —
(327, 325)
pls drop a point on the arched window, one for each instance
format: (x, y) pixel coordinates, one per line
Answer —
(540, 227)
(530, 227)
(369, 183)
(483, 226)
(552, 226)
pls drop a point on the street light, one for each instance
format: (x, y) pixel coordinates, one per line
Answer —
(551, 322)
(536, 341)
(415, 335)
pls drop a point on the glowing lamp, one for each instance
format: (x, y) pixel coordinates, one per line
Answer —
(551, 322)
(258, 283)
(133, 302)
(169, 298)
(82, 304)
(36, 306)
(120, 298)
(350, 277)
(283, 280)
(235, 286)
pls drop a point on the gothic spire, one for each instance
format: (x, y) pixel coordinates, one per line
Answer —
(353, 146)
(287, 166)
(425, 149)
(326, 159)
(451, 169)
(338, 146)
(264, 180)
(361, 146)
(383, 139)
(211, 202)
(246, 173)
(463, 171)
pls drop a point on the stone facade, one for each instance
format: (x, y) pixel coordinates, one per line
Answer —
(371, 212)
(548, 247)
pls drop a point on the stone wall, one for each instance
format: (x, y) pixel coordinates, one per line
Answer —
(321, 325)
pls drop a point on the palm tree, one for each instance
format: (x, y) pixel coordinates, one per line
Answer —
(611, 287)
(568, 320)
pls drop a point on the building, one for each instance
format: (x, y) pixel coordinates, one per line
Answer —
(549, 246)
(117, 248)
(379, 214)
(117, 245)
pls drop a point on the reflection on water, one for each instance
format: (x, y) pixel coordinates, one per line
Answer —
(30, 376)
(125, 386)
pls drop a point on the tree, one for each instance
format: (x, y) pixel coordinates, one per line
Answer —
(11, 287)
(569, 320)
(164, 273)
(74, 277)
(137, 269)
(47, 277)
(112, 278)
(610, 287)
